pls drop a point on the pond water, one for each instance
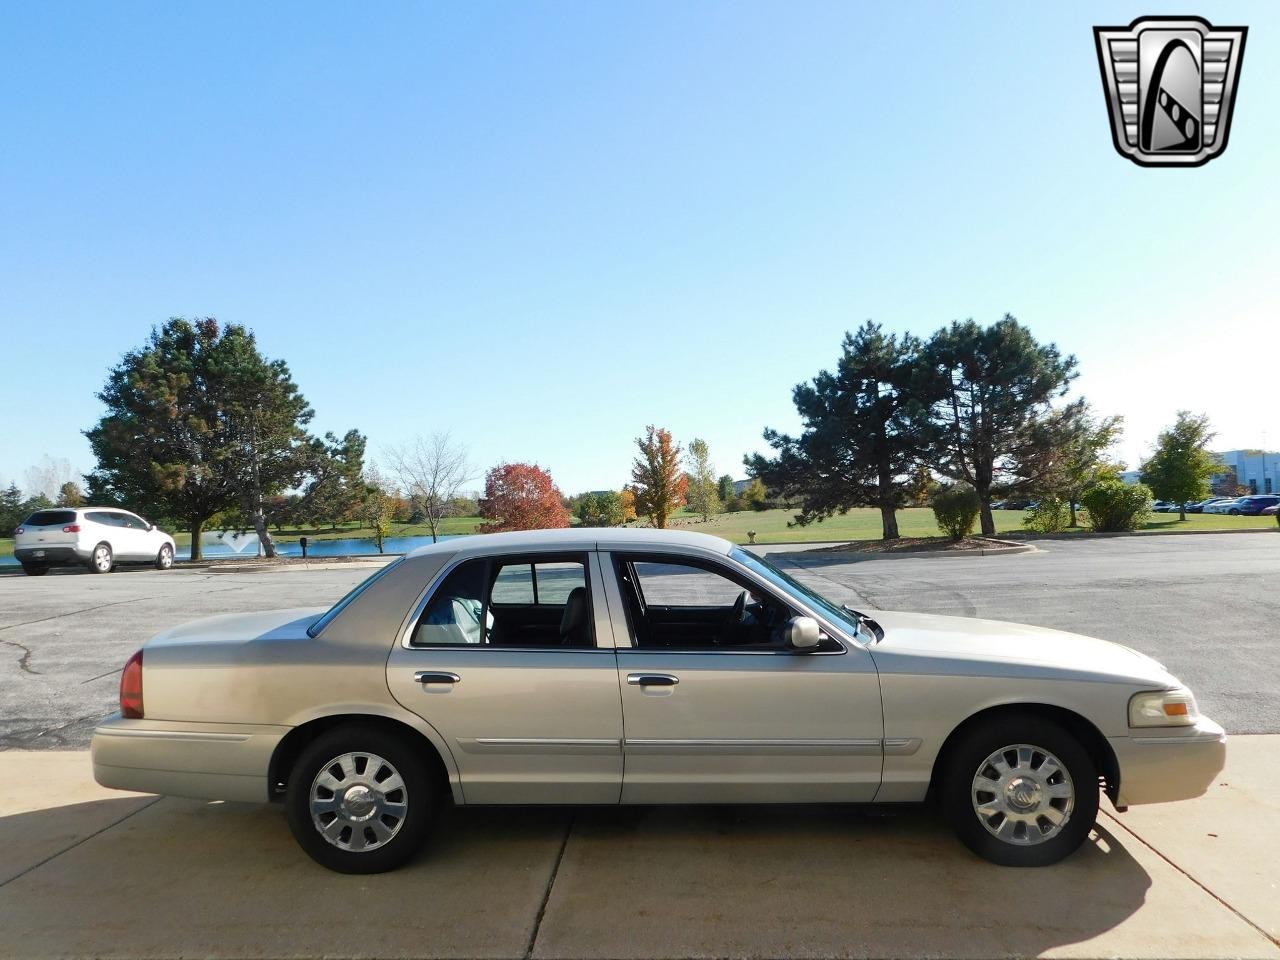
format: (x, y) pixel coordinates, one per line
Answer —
(221, 546)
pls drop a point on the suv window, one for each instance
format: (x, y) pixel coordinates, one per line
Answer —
(678, 604)
(106, 518)
(510, 602)
(134, 522)
(50, 518)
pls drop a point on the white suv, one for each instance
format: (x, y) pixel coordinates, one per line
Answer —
(99, 537)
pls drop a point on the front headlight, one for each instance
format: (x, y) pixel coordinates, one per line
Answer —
(1163, 708)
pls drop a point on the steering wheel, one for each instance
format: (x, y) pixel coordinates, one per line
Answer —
(737, 616)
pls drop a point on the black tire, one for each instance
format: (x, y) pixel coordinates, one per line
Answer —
(958, 797)
(419, 797)
(35, 569)
(164, 559)
(1234, 512)
(93, 564)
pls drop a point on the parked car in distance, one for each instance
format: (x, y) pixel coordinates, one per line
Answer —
(98, 537)
(1199, 506)
(620, 666)
(1254, 505)
(1221, 506)
(1164, 506)
(1271, 510)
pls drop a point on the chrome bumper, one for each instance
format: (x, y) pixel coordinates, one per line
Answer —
(209, 761)
(1157, 766)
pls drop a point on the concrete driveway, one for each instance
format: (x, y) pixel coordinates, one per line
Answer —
(92, 873)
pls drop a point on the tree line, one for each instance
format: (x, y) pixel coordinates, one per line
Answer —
(200, 427)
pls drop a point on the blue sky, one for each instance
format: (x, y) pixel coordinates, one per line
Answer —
(543, 226)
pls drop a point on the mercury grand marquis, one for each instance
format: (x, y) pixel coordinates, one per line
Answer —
(642, 667)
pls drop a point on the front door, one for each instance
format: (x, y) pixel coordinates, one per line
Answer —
(512, 661)
(716, 707)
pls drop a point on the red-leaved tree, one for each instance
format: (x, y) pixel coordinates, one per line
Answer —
(521, 496)
(658, 483)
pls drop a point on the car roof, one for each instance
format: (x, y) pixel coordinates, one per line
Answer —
(579, 538)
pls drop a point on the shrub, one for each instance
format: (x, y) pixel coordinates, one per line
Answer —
(1115, 506)
(956, 510)
(1050, 515)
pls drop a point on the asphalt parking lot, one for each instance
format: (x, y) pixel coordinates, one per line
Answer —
(1204, 605)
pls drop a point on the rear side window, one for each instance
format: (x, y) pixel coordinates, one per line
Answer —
(50, 518)
(107, 519)
(520, 602)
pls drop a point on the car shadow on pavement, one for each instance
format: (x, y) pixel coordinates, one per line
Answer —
(183, 877)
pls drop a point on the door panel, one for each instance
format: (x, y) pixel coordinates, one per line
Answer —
(751, 727)
(714, 724)
(525, 726)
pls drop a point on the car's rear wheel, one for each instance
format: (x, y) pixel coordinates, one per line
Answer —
(164, 559)
(1234, 512)
(35, 569)
(359, 800)
(1020, 791)
(102, 560)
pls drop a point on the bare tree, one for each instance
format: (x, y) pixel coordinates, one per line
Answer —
(432, 472)
(47, 477)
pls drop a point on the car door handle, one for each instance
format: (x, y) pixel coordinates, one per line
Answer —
(428, 676)
(652, 679)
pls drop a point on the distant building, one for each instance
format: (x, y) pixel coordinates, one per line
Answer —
(1256, 470)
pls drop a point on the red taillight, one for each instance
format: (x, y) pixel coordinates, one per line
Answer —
(131, 688)
(71, 528)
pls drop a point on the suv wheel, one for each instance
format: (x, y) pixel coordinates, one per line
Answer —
(359, 800)
(1020, 791)
(164, 559)
(102, 560)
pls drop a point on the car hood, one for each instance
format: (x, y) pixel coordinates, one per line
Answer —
(1012, 647)
(288, 624)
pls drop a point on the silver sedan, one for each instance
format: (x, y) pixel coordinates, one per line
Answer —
(642, 667)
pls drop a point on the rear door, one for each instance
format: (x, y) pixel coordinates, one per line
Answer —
(44, 528)
(717, 709)
(511, 658)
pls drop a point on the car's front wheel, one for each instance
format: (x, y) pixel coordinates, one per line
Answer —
(1020, 791)
(102, 560)
(359, 800)
(164, 559)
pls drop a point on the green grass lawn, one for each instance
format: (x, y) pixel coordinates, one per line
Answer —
(864, 524)
(771, 526)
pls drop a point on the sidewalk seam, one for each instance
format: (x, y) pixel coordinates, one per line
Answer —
(546, 894)
(54, 856)
(1159, 853)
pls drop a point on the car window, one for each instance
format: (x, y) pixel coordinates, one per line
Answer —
(101, 516)
(509, 602)
(50, 518)
(680, 585)
(678, 604)
(134, 522)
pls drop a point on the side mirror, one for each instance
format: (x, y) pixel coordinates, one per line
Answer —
(802, 633)
(151, 526)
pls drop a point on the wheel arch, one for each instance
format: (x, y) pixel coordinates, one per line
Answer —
(295, 741)
(1083, 729)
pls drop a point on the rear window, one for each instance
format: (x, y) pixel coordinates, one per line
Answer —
(50, 518)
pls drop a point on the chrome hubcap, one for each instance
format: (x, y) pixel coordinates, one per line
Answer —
(166, 557)
(1023, 794)
(358, 801)
(102, 558)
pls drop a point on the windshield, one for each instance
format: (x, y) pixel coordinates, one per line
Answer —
(843, 616)
(341, 605)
